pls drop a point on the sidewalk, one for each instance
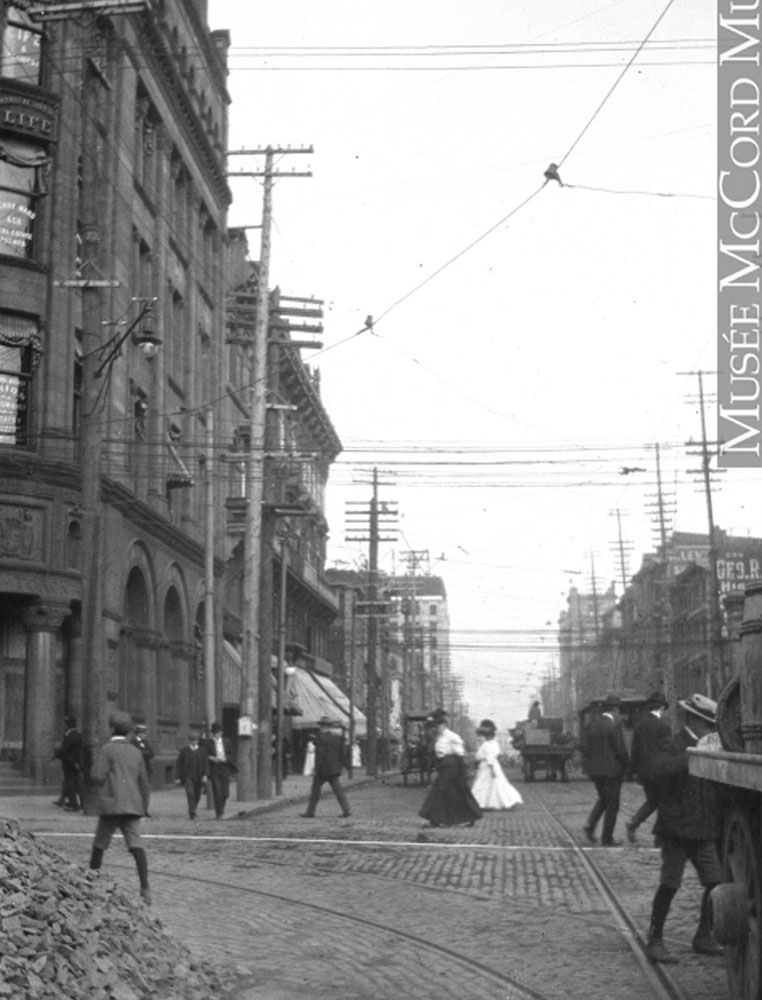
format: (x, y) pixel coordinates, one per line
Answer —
(27, 802)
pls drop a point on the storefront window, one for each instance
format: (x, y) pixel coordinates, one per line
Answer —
(19, 355)
(14, 381)
(22, 48)
(18, 182)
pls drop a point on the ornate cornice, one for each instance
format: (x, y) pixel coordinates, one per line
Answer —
(164, 72)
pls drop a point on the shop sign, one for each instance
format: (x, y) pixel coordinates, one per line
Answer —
(16, 218)
(32, 117)
(735, 567)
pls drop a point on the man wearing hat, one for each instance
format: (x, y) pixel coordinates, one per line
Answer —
(330, 761)
(119, 773)
(71, 755)
(605, 760)
(651, 740)
(140, 740)
(221, 757)
(688, 825)
(192, 770)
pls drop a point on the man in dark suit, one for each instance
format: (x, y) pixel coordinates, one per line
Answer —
(70, 753)
(221, 765)
(191, 771)
(605, 761)
(651, 740)
(330, 761)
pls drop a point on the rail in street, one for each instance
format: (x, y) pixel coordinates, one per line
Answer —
(376, 906)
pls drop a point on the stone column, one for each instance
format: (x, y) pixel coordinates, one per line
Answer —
(41, 727)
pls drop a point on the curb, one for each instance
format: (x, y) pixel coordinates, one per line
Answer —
(274, 805)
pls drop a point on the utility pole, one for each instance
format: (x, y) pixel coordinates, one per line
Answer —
(414, 558)
(372, 667)
(94, 405)
(374, 611)
(665, 663)
(716, 667)
(350, 675)
(255, 712)
(715, 673)
(209, 630)
(621, 549)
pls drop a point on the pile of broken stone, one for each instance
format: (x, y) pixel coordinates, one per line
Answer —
(72, 934)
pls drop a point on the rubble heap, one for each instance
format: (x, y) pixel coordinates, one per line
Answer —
(71, 934)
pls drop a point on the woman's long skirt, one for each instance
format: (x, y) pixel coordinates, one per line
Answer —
(450, 801)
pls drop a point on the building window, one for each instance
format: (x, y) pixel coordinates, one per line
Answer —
(21, 57)
(19, 165)
(19, 354)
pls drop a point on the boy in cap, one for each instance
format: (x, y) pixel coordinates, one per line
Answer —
(688, 825)
(651, 740)
(119, 772)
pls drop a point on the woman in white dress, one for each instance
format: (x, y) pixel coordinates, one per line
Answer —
(491, 788)
(309, 757)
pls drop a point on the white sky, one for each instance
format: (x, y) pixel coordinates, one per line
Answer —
(552, 349)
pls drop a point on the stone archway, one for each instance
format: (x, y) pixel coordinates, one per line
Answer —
(136, 676)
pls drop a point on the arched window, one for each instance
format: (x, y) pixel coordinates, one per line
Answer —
(133, 667)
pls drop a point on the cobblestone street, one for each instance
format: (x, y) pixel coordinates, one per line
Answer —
(375, 906)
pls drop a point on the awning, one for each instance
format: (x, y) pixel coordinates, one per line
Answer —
(335, 693)
(318, 696)
(304, 697)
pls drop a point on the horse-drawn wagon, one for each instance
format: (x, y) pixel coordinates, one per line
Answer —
(543, 746)
(417, 751)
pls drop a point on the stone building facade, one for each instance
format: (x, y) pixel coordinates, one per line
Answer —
(113, 137)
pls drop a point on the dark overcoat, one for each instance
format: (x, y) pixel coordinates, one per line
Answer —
(689, 807)
(651, 741)
(604, 753)
(330, 755)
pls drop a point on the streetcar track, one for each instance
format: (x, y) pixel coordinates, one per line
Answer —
(471, 964)
(653, 972)
(664, 986)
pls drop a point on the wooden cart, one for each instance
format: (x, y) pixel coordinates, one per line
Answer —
(543, 747)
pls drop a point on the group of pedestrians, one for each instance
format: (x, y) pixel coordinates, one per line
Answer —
(687, 808)
(451, 800)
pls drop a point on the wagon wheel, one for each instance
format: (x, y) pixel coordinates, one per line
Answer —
(744, 960)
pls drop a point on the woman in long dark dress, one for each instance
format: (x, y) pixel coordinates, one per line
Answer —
(449, 802)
